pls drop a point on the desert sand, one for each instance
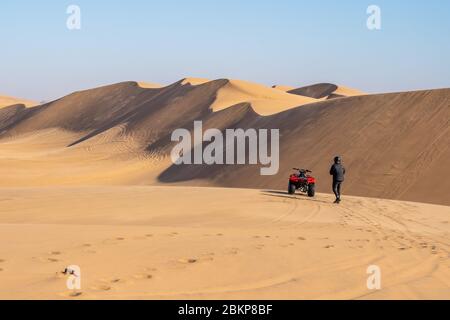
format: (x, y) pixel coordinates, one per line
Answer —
(87, 180)
(212, 243)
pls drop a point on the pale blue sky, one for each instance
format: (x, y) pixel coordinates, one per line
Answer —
(290, 42)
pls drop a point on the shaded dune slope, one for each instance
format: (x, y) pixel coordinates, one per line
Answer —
(325, 91)
(394, 146)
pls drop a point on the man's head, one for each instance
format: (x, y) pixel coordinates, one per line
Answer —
(337, 160)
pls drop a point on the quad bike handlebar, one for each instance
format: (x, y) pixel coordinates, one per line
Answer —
(304, 170)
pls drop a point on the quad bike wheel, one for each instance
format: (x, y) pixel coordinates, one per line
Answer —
(291, 188)
(311, 190)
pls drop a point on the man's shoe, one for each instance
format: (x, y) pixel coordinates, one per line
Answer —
(336, 201)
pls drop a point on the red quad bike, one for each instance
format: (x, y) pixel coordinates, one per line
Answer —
(303, 182)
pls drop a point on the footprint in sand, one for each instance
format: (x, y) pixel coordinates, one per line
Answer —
(149, 235)
(301, 238)
(143, 276)
(102, 287)
(329, 246)
(120, 238)
(207, 257)
(75, 294)
(188, 260)
(233, 251)
(52, 260)
(87, 245)
(55, 253)
(151, 269)
(71, 294)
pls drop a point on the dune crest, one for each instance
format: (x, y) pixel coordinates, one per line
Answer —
(194, 81)
(148, 85)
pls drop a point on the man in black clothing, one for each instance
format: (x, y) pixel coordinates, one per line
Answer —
(338, 173)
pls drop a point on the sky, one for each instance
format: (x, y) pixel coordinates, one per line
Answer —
(288, 42)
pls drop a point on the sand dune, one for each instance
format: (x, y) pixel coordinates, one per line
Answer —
(264, 100)
(105, 106)
(240, 244)
(394, 145)
(6, 101)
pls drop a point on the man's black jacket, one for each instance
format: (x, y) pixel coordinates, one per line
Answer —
(338, 172)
